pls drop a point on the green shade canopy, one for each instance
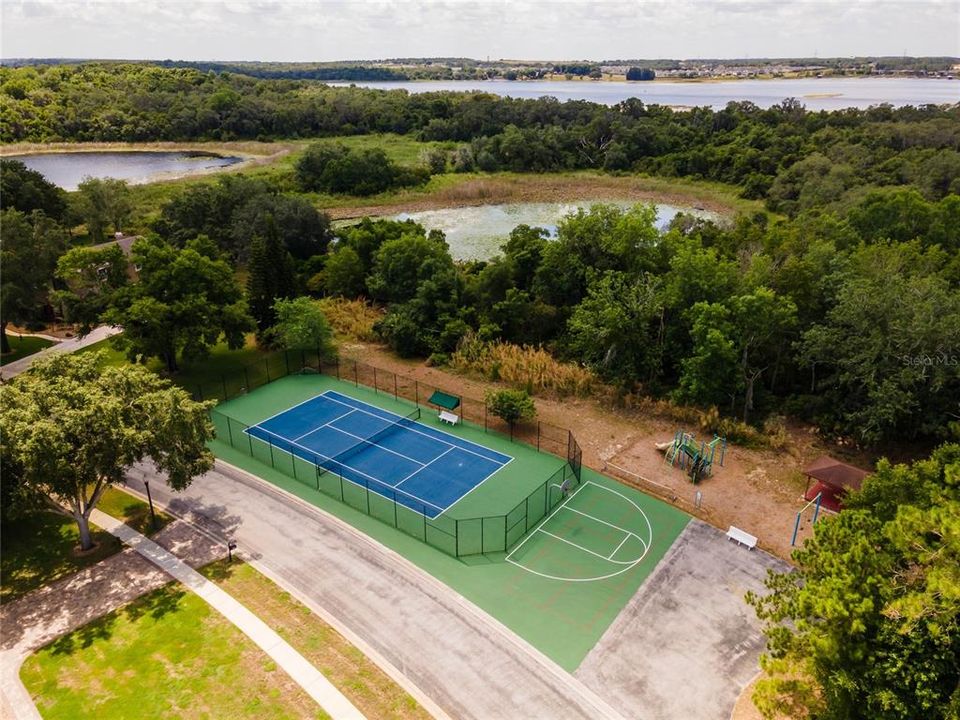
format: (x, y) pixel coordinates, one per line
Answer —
(450, 402)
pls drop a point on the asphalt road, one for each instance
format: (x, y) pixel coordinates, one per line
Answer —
(460, 657)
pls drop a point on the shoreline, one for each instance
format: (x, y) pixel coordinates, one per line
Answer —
(502, 190)
(247, 149)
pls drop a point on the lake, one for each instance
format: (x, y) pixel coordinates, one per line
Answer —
(814, 93)
(68, 169)
(476, 233)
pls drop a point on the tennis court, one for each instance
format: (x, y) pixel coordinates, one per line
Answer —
(420, 467)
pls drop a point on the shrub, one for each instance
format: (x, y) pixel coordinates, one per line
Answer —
(511, 406)
(524, 366)
(353, 319)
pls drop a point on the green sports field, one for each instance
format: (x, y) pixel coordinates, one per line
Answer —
(571, 563)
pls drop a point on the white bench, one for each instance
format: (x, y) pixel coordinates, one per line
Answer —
(449, 417)
(742, 538)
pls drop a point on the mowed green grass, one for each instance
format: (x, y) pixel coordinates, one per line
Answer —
(167, 655)
(21, 347)
(564, 619)
(41, 547)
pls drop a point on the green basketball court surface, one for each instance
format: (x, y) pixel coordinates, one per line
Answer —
(559, 585)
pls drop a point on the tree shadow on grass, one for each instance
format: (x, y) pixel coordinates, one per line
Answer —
(220, 570)
(156, 604)
(85, 636)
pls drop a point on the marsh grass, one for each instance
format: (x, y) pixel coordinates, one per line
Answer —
(530, 368)
(351, 319)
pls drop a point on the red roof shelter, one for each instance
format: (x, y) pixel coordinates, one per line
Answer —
(832, 479)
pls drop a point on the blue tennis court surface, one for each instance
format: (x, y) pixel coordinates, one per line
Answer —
(420, 467)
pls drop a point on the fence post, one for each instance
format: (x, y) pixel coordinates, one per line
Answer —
(246, 379)
(356, 374)
(250, 443)
(416, 391)
(538, 436)
(376, 390)
(270, 444)
(230, 432)
(340, 475)
(395, 387)
(338, 368)
(223, 383)
(316, 466)
(286, 360)
(266, 364)
(319, 361)
(456, 538)
(484, 416)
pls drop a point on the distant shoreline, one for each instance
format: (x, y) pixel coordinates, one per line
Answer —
(622, 79)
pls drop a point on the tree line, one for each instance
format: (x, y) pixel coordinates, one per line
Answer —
(789, 157)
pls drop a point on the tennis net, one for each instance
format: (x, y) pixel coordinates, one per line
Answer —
(336, 461)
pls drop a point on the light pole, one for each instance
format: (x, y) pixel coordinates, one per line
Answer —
(231, 546)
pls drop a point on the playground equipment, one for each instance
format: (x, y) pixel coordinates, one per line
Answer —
(815, 502)
(696, 459)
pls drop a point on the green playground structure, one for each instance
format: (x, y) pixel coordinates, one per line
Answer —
(696, 459)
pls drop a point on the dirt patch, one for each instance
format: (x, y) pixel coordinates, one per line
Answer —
(745, 709)
(495, 190)
(759, 491)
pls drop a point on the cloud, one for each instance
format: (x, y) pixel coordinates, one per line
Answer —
(330, 29)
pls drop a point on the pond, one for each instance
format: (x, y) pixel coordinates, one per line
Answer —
(68, 169)
(814, 93)
(476, 233)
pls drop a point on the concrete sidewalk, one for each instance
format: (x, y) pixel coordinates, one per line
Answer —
(289, 660)
(40, 617)
(469, 664)
(69, 345)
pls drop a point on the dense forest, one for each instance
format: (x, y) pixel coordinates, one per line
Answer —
(793, 158)
(840, 306)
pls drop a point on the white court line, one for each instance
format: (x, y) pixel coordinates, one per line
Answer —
(615, 527)
(539, 526)
(326, 424)
(588, 550)
(449, 449)
(426, 435)
(293, 407)
(384, 447)
(625, 538)
(342, 464)
(544, 520)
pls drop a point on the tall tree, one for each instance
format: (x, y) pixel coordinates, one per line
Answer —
(614, 329)
(185, 302)
(89, 277)
(270, 275)
(27, 190)
(29, 246)
(70, 429)
(867, 626)
(301, 325)
(103, 203)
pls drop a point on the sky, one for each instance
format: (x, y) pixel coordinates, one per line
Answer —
(322, 30)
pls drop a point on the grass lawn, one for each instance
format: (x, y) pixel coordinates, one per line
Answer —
(373, 692)
(206, 372)
(40, 548)
(21, 347)
(166, 655)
